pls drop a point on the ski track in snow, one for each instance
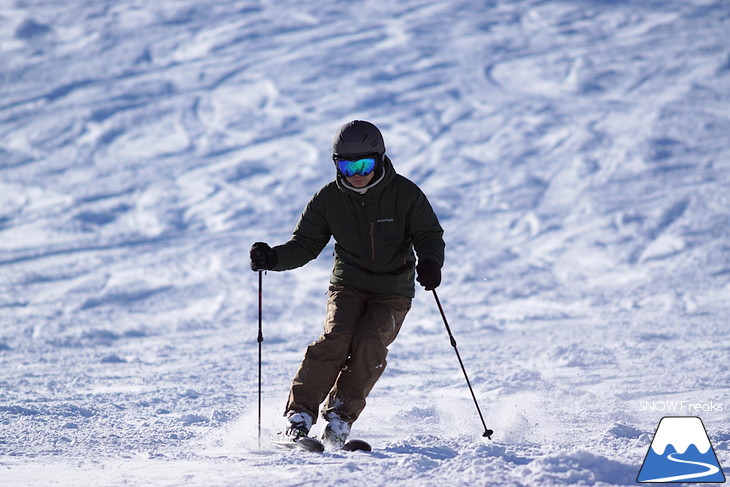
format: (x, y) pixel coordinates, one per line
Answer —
(576, 153)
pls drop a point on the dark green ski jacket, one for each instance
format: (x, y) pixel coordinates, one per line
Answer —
(375, 233)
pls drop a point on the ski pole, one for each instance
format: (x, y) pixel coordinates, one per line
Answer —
(487, 432)
(260, 339)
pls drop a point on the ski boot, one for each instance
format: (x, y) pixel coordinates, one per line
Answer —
(336, 432)
(298, 427)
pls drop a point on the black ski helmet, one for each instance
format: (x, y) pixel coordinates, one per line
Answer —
(358, 138)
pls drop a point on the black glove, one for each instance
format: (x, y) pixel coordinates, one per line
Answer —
(263, 257)
(429, 274)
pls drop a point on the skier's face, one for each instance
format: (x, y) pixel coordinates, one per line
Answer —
(359, 181)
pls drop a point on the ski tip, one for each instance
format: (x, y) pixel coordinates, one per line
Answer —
(357, 445)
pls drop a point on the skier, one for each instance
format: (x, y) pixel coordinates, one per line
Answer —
(377, 218)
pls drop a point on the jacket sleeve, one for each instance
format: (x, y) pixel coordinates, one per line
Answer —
(309, 238)
(426, 231)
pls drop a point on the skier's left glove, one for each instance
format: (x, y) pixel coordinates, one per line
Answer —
(429, 274)
(263, 257)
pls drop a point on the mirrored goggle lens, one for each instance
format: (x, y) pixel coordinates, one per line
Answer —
(362, 167)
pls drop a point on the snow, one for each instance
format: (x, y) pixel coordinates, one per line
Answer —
(576, 154)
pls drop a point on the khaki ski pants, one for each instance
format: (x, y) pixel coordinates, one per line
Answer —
(346, 361)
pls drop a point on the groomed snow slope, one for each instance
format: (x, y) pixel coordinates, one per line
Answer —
(576, 152)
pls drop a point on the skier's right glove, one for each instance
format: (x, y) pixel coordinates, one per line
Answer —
(263, 257)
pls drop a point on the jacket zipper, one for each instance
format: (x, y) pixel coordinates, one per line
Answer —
(372, 240)
(372, 232)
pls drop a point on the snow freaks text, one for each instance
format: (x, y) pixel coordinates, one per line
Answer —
(680, 406)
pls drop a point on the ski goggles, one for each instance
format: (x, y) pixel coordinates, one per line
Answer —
(361, 166)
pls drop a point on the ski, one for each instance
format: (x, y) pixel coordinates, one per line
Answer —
(314, 445)
(357, 445)
(304, 443)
